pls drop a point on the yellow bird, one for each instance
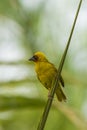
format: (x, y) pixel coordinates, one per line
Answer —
(46, 73)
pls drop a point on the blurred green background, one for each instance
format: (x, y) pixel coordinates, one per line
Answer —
(27, 26)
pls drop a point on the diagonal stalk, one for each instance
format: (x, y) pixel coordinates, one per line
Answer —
(55, 85)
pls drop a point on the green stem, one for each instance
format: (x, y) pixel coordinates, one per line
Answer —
(49, 101)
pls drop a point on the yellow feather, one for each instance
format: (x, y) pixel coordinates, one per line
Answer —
(46, 73)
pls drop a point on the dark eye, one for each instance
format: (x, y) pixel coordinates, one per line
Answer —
(35, 57)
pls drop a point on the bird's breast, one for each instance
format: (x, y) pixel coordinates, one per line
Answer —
(45, 73)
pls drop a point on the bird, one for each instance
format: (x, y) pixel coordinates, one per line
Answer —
(46, 72)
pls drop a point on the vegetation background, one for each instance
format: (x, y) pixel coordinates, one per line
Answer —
(27, 26)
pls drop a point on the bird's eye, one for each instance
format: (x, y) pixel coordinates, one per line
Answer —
(35, 57)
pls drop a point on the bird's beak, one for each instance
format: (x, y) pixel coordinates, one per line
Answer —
(32, 59)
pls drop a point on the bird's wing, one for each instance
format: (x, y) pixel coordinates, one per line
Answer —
(61, 81)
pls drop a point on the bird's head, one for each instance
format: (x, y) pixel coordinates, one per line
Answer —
(38, 57)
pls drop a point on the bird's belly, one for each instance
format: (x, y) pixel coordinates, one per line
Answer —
(46, 80)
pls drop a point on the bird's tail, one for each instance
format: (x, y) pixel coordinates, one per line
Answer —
(60, 94)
